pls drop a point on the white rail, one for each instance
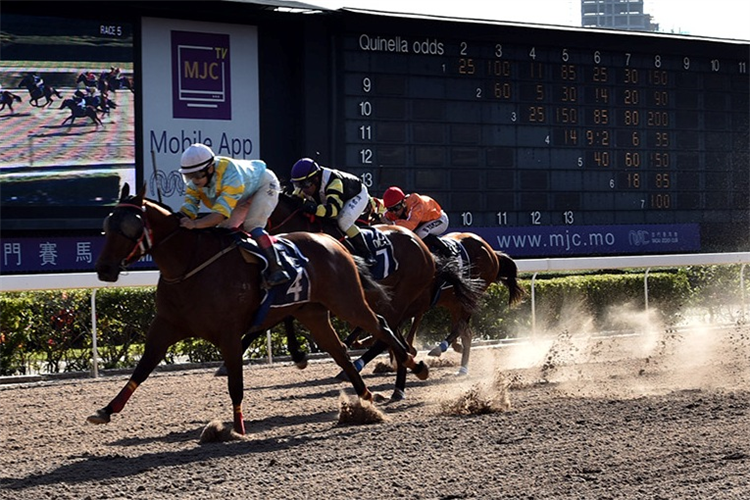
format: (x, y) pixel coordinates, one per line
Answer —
(16, 283)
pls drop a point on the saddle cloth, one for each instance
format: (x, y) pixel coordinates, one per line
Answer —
(382, 249)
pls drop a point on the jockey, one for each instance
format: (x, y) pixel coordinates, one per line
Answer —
(375, 212)
(333, 194)
(420, 213)
(220, 182)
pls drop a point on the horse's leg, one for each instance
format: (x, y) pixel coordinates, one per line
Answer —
(466, 337)
(231, 351)
(352, 337)
(160, 336)
(377, 348)
(295, 349)
(247, 339)
(317, 319)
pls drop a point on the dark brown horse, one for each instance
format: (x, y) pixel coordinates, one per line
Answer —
(208, 290)
(484, 267)
(80, 111)
(38, 90)
(410, 285)
(7, 99)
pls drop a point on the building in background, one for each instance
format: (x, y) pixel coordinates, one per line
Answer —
(616, 14)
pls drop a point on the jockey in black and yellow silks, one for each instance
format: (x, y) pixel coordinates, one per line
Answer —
(333, 194)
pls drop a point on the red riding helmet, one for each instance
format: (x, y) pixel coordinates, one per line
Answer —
(393, 196)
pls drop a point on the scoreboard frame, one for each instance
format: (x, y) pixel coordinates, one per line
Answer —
(551, 141)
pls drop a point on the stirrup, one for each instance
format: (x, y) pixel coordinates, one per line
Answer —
(278, 277)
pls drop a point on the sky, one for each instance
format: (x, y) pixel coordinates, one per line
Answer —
(726, 18)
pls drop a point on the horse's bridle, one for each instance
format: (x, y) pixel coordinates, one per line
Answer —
(142, 237)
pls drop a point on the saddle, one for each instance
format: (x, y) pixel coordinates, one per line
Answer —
(297, 289)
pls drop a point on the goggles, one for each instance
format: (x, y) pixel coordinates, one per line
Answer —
(196, 176)
(304, 184)
(395, 208)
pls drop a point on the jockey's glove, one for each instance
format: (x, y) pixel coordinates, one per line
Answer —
(309, 207)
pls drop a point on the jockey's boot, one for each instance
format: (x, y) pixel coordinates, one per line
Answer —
(361, 249)
(275, 273)
(437, 245)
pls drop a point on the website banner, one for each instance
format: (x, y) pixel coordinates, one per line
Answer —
(554, 241)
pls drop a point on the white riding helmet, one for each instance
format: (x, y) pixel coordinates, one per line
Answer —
(195, 158)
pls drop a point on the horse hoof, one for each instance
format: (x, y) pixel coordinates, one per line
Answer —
(462, 372)
(421, 371)
(342, 376)
(378, 397)
(398, 395)
(435, 352)
(300, 360)
(221, 371)
(100, 417)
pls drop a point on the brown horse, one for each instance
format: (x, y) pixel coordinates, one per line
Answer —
(487, 266)
(208, 290)
(38, 90)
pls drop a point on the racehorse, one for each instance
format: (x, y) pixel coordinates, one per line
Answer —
(487, 266)
(77, 111)
(88, 79)
(38, 90)
(7, 99)
(208, 290)
(113, 80)
(410, 284)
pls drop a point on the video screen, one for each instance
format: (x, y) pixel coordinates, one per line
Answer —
(67, 120)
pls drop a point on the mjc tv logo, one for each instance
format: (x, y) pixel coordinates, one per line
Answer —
(201, 75)
(203, 70)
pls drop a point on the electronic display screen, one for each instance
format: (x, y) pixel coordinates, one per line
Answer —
(67, 120)
(554, 142)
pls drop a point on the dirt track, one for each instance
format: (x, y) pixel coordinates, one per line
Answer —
(640, 417)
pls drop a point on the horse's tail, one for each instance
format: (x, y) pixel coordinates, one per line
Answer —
(467, 290)
(507, 274)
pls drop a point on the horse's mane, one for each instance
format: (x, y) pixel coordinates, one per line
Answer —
(159, 204)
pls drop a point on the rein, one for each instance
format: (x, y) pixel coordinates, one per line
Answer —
(149, 246)
(275, 228)
(204, 265)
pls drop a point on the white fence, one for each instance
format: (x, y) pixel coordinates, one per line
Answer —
(528, 266)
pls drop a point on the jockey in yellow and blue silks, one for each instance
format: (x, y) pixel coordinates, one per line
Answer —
(333, 194)
(220, 183)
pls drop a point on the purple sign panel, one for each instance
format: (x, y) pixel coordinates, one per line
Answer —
(201, 77)
(55, 255)
(555, 241)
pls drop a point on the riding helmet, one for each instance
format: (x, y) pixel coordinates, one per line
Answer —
(195, 158)
(393, 196)
(304, 169)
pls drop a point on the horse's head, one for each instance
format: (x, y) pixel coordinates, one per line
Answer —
(127, 235)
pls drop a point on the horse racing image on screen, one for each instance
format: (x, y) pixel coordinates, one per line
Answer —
(67, 120)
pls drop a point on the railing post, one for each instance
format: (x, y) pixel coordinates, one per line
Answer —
(533, 305)
(94, 348)
(270, 350)
(742, 288)
(645, 290)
